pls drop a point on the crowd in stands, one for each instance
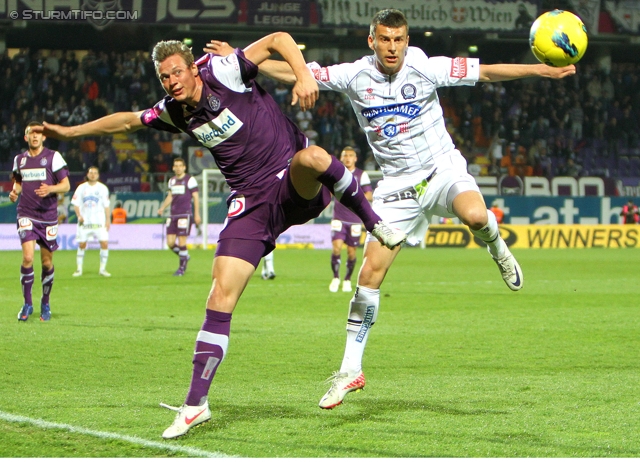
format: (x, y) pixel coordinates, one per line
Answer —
(583, 125)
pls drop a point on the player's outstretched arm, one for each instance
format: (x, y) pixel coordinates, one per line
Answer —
(501, 72)
(276, 70)
(305, 88)
(120, 122)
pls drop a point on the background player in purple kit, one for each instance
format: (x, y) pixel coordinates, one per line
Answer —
(39, 174)
(276, 179)
(346, 227)
(182, 188)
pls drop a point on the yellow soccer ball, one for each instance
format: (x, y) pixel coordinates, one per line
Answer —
(558, 38)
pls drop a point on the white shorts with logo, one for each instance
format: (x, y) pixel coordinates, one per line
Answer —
(87, 231)
(408, 202)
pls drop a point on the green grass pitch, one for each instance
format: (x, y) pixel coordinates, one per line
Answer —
(456, 366)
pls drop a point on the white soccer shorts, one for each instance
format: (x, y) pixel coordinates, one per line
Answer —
(409, 202)
(85, 232)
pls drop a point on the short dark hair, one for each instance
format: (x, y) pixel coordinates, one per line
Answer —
(389, 17)
(33, 123)
(180, 159)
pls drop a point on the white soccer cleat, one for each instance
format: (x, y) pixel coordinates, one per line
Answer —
(77, 274)
(346, 286)
(335, 285)
(388, 236)
(188, 417)
(341, 384)
(510, 270)
(105, 273)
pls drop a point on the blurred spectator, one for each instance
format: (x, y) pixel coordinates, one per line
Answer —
(81, 114)
(497, 211)
(131, 165)
(613, 135)
(473, 168)
(74, 161)
(629, 213)
(90, 89)
(576, 115)
(63, 212)
(118, 214)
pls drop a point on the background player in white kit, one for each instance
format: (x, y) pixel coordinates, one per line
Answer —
(393, 94)
(92, 207)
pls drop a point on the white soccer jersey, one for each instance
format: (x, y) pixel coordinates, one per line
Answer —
(92, 201)
(401, 114)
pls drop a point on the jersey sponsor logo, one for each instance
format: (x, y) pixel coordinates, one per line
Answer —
(321, 74)
(177, 189)
(34, 174)
(408, 91)
(236, 207)
(408, 110)
(218, 130)
(458, 68)
(25, 224)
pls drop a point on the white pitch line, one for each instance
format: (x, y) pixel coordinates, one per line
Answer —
(110, 436)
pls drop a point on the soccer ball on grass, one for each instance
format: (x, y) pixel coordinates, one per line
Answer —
(558, 38)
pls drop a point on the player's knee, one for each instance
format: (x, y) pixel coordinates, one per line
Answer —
(475, 218)
(27, 261)
(314, 157)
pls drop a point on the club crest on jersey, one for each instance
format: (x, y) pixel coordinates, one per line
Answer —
(214, 102)
(236, 207)
(43, 161)
(408, 91)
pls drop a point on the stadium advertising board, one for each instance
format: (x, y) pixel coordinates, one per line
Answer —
(152, 237)
(540, 210)
(278, 14)
(541, 237)
(436, 14)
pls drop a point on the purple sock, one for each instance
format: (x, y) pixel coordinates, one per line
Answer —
(351, 264)
(335, 265)
(26, 279)
(211, 347)
(183, 253)
(345, 187)
(47, 283)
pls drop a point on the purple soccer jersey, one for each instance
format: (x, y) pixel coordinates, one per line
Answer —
(342, 213)
(48, 167)
(182, 190)
(250, 139)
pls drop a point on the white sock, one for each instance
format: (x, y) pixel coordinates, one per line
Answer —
(363, 311)
(268, 263)
(490, 234)
(104, 256)
(79, 259)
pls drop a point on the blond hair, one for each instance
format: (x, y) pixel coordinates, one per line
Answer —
(168, 48)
